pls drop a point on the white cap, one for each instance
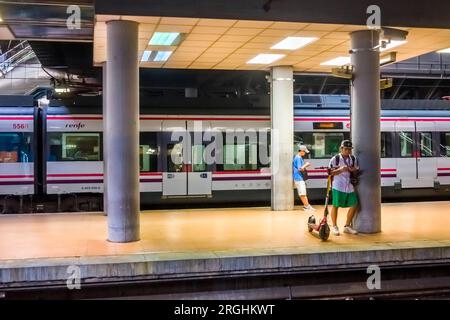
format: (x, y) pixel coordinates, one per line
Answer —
(303, 148)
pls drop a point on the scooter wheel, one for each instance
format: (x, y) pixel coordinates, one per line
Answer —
(311, 221)
(324, 232)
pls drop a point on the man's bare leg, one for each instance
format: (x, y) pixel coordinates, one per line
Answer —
(304, 200)
(334, 213)
(350, 214)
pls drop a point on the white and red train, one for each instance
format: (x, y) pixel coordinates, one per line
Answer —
(58, 151)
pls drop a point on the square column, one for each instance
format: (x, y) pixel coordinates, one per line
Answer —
(365, 127)
(122, 131)
(282, 136)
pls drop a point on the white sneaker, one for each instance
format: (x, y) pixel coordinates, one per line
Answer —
(335, 230)
(348, 229)
(309, 208)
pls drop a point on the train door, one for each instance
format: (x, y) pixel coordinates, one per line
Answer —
(416, 165)
(426, 159)
(185, 172)
(200, 172)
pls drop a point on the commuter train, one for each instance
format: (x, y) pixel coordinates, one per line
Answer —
(51, 158)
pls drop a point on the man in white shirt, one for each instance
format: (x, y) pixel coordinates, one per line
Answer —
(344, 167)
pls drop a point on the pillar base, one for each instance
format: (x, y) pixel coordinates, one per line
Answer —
(119, 235)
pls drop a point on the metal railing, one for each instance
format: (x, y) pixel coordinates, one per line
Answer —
(15, 56)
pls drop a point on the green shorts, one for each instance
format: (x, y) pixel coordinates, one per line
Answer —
(343, 199)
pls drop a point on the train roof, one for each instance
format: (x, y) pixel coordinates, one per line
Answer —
(16, 105)
(318, 101)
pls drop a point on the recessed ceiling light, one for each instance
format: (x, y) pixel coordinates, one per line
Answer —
(155, 56)
(162, 55)
(165, 39)
(293, 43)
(339, 61)
(265, 58)
(146, 55)
(392, 44)
(444, 50)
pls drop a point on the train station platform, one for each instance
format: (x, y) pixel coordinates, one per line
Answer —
(39, 248)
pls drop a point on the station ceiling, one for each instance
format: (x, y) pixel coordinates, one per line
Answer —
(230, 44)
(228, 35)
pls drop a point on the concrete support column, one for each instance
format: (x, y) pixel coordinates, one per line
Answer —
(105, 147)
(365, 124)
(122, 131)
(282, 137)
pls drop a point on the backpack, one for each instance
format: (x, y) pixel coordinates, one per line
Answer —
(354, 176)
(336, 160)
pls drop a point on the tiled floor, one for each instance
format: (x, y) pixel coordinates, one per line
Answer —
(227, 231)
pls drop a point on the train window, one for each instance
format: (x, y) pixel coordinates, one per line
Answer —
(15, 147)
(74, 146)
(240, 157)
(445, 144)
(406, 144)
(148, 152)
(426, 144)
(386, 145)
(323, 145)
(311, 99)
(198, 164)
(175, 157)
(240, 152)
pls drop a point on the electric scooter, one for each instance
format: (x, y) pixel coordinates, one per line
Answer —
(322, 228)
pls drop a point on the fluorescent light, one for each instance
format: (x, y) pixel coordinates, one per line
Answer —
(392, 44)
(157, 56)
(265, 58)
(444, 50)
(146, 55)
(339, 61)
(162, 55)
(293, 43)
(164, 38)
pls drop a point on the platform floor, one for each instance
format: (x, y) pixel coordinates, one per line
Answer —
(223, 232)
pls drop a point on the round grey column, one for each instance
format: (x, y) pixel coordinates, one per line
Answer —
(105, 147)
(282, 137)
(365, 124)
(122, 131)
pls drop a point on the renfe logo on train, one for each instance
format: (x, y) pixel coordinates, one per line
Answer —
(77, 126)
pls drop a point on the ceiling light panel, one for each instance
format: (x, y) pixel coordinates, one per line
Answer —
(165, 39)
(293, 43)
(265, 58)
(155, 56)
(444, 50)
(339, 61)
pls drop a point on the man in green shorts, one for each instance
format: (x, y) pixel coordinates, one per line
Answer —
(342, 167)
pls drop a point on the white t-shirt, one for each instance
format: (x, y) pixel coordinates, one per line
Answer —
(341, 182)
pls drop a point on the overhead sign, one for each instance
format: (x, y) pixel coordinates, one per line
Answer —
(327, 125)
